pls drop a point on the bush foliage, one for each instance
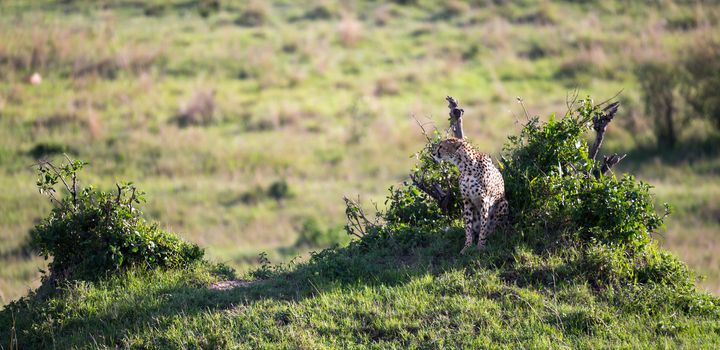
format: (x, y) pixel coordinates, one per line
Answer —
(561, 206)
(91, 233)
(552, 185)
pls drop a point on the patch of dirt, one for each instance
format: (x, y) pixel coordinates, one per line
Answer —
(225, 285)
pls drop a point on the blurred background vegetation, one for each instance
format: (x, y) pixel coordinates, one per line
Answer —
(247, 121)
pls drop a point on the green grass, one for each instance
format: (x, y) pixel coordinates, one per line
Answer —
(325, 104)
(411, 291)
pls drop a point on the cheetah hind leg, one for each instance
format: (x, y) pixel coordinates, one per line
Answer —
(498, 217)
(469, 215)
(483, 223)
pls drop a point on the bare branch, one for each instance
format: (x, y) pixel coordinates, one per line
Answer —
(74, 181)
(132, 197)
(57, 172)
(442, 196)
(610, 161)
(456, 114)
(119, 195)
(611, 98)
(522, 104)
(52, 197)
(571, 100)
(600, 123)
(422, 127)
(357, 220)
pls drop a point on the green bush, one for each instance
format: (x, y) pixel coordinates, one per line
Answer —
(91, 233)
(279, 190)
(659, 82)
(681, 88)
(560, 202)
(410, 206)
(253, 14)
(553, 186)
(701, 81)
(208, 7)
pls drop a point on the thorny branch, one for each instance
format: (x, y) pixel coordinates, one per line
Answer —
(57, 172)
(74, 182)
(443, 196)
(610, 161)
(358, 222)
(119, 195)
(422, 128)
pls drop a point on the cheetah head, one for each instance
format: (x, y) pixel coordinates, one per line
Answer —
(446, 150)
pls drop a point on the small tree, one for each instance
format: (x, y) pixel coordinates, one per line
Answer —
(92, 233)
(659, 81)
(701, 79)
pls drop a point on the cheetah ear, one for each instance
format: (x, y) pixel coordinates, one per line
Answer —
(455, 145)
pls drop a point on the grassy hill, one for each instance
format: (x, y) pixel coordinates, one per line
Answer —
(413, 294)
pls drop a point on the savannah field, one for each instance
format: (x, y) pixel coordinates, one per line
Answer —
(245, 121)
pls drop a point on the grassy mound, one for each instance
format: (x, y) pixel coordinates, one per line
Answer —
(410, 290)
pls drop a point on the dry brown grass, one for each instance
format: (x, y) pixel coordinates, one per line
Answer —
(80, 52)
(199, 109)
(350, 30)
(699, 245)
(93, 124)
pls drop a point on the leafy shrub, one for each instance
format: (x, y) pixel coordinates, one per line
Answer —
(92, 233)
(45, 149)
(573, 225)
(155, 9)
(254, 14)
(208, 7)
(322, 11)
(279, 190)
(452, 8)
(410, 206)
(252, 196)
(553, 186)
(702, 79)
(659, 80)
(681, 88)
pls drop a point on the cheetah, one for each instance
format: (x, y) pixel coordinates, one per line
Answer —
(481, 186)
